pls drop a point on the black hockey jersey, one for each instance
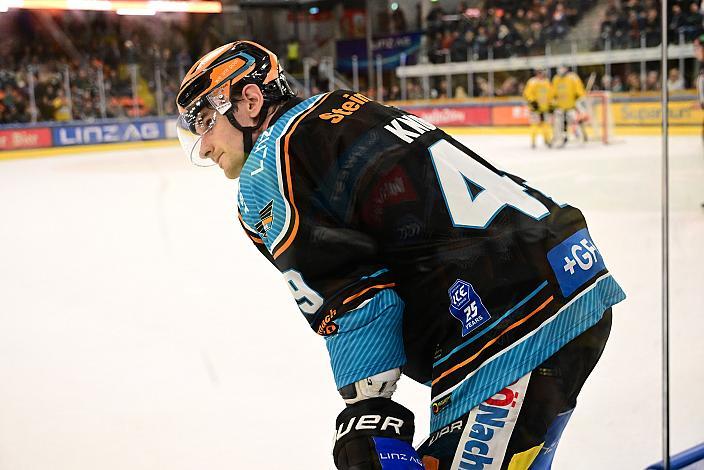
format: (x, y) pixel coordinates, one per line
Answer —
(404, 248)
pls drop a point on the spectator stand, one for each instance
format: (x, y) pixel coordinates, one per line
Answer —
(63, 66)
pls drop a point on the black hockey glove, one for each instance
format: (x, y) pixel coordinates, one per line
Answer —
(533, 106)
(375, 434)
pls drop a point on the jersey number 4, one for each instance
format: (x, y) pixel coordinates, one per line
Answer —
(473, 193)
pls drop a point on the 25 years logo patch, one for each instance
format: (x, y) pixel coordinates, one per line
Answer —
(467, 307)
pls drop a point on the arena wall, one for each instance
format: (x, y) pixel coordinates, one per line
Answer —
(631, 113)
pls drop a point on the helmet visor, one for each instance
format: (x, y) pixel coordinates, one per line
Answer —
(198, 119)
(192, 125)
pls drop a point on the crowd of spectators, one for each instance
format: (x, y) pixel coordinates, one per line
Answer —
(512, 84)
(633, 82)
(14, 106)
(503, 28)
(65, 90)
(66, 74)
(686, 19)
(500, 28)
(632, 23)
(122, 60)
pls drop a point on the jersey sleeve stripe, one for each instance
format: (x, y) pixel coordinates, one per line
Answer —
(515, 325)
(291, 236)
(364, 291)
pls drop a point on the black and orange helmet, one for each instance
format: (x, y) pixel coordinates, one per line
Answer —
(216, 81)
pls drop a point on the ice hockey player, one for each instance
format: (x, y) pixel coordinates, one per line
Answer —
(538, 94)
(408, 253)
(570, 111)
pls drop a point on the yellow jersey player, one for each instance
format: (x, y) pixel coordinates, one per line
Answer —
(538, 92)
(569, 94)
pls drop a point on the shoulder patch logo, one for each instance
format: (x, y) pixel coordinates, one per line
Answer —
(467, 307)
(266, 218)
(575, 261)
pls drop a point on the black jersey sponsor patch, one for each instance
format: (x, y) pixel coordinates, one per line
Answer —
(439, 405)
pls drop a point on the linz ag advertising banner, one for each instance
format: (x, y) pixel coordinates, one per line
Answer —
(98, 133)
(388, 47)
(30, 138)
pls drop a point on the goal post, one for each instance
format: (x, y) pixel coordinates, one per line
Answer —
(600, 119)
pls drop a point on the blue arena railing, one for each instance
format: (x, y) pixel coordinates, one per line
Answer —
(690, 459)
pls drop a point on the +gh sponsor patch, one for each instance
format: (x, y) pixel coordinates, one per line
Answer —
(575, 261)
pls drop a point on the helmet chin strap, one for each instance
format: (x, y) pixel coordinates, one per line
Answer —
(248, 131)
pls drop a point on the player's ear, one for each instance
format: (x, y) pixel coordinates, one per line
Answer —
(252, 100)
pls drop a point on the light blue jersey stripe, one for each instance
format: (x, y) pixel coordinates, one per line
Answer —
(369, 339)
(261, 180)
(376, 274)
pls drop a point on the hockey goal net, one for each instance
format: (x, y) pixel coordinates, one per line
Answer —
(600, 120)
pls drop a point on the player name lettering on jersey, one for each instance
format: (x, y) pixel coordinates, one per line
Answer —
(353, 103)
(408, 128)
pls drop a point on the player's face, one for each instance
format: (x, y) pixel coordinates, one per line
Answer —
(223, 144)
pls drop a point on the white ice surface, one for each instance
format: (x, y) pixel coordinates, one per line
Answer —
(140, 330)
